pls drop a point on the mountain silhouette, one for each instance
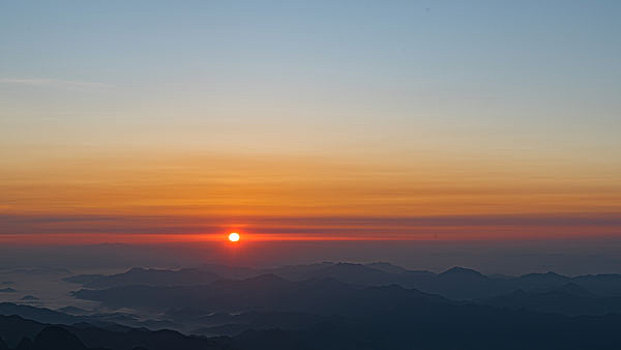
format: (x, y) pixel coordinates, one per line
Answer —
(147, 277)
(25, 344)
(569, 299)
(265, 292)
(19, 332)
(54, 338)
(457, 283)
(329, 306)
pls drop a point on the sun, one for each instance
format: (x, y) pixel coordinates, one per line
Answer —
(234, 236)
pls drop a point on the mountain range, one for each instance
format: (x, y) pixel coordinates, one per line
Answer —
(324, 306)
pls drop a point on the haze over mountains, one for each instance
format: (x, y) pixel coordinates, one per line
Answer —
(323, 306)
(455, 283)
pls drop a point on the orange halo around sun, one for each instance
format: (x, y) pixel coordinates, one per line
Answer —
(234, 236)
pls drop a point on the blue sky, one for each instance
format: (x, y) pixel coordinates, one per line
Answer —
(525, 62)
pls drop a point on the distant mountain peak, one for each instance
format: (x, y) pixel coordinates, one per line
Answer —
(346, 266)
(462, 272)
(136, 270)
(546, 275)
(54, 337)
(266, 277)
(386, 267)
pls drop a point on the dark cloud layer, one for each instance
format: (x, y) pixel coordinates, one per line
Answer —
(25, 224)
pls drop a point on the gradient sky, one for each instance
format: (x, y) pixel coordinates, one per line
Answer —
(309, 119)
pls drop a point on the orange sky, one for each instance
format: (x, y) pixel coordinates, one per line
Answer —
(416, 196)
(293, 185)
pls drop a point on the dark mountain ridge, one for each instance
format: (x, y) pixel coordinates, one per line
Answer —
(14, 329)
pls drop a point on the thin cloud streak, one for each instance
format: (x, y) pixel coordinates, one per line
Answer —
(179, 228)
(56, 83)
